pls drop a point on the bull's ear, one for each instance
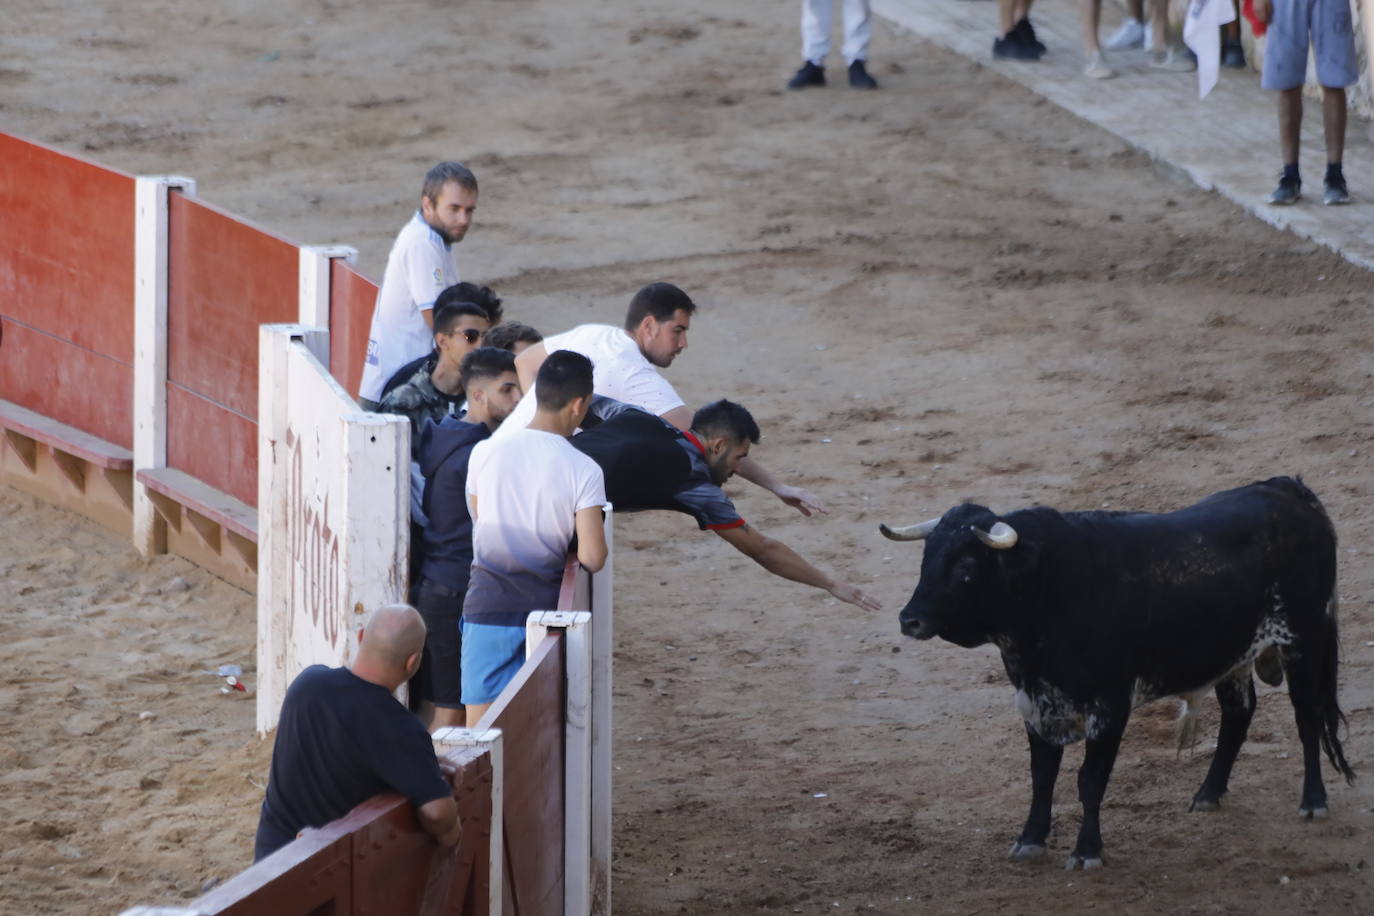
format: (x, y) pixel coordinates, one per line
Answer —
(1021, 560)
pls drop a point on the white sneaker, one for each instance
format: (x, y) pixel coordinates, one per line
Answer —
(1131, 34)
(1172, 60)
(1097, 68)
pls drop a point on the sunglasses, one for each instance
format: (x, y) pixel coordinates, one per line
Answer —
(471, 335)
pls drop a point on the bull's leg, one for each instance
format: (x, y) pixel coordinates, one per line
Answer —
(1302, 691)
(1092, 786)
(1236, 694)
(1045, 759)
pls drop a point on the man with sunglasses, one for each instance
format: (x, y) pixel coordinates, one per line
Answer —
(435, 390)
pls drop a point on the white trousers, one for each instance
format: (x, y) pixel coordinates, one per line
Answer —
(815, 29)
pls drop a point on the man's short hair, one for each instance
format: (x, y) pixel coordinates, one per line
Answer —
(660, 300)
(486, 363)
(482, 296)
(443, 173)
(447, 314)
(509, 333)
(727, 419)
(563, 376)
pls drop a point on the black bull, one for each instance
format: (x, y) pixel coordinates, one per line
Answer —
(1096, 613)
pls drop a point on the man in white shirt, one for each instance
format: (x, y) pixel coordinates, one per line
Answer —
(421, 265)
(529, 492)
(627, 361)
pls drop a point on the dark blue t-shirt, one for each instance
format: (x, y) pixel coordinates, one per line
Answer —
(340, 741)
(444, 452)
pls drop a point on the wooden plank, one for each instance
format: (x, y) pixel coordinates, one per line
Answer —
(212, 443)
(65, 438)
(72, 468)
(529, 713)
(221, 508)
(352, 297)
(300, 879)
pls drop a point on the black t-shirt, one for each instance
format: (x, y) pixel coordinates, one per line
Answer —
(340, 741)
(445, 449)
(650, 464)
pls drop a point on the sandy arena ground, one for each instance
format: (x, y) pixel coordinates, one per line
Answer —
(945, 290)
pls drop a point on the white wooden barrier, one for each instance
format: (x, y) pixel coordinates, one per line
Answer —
(333, 505)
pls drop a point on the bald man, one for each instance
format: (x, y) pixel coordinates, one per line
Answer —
(343, 738)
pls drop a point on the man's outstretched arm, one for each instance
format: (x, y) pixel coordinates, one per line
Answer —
(781, 560)
(804, 501)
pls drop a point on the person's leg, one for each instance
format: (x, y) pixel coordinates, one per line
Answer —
(445, 717)
(1285, 68)
(1232, 51)
(1090, 16)
(1131, 32)
(1333, 122)
(858, 30)
(1290, 124)
(475, 712)
(815, 29)
(1006, 17)
(1163, 57)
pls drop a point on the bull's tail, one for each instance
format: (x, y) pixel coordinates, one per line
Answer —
(1332, 719)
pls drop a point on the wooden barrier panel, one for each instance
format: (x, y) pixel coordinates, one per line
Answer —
(529, 713)
(66, 289)
(374, 861)
(225, 278)
(352, 298)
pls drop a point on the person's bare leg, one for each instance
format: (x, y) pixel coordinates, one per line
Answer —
(1090, 15)
(476, 712)
(447, 718)
(1159, 25)
(1006, 17)
(425, 713)
(1290, 122)
(1333, 122)
(1136, 10)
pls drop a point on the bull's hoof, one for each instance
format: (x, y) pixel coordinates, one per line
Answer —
(1205, 804)
(1021, 850)
(1084, 862)
(1317, 813)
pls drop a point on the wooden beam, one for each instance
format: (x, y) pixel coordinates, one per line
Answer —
(169, 509)
(208, 529)
(25, 448)
(72, 468)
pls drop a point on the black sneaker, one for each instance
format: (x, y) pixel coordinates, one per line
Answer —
(1288, 192)
(1335, 192)
(1027, 33)
(1013, 47)
(859, 78)
(1233, 54)
(808, 75)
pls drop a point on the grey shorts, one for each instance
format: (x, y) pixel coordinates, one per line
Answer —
(1327, 24)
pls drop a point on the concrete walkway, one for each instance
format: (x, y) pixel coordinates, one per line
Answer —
(1227, 142)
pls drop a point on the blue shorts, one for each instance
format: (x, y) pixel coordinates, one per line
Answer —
(1327, 25)
(492, 656)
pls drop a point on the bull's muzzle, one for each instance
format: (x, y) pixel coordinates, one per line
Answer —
(917, 629)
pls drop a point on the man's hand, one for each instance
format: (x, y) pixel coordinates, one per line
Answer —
(1264, 10)
(448, 769)
(451, 836)
(851, 594)
(804, 501)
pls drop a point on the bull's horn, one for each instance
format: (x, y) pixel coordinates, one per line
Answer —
(910, 532)
(1001, 537)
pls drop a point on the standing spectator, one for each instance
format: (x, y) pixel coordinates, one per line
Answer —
(1135, 32)
(493, 391)
(627, 360)
(1018, 41)
(435, 389)
(343, 738)
(650, 464)
(1327, 24)
(815, 29)
(513, 336)
(529, 491)
(473, 294)
(420, 266)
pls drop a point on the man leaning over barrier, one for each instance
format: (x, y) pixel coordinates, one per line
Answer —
(343, 738)
(650, 464)
(627, 361)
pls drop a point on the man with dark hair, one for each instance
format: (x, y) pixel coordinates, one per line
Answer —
(343, 738)
(470, 293)
(513, 336)
(650, 464)
(435, 391)
(529, 492)
(627, 361)
(488, 378)
(420, 266)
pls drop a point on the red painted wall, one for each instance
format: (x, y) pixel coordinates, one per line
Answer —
(67, 289)
(351, 301)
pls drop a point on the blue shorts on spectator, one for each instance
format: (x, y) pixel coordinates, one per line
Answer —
(492, 656)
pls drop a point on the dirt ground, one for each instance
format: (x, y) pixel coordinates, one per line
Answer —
(945, 290)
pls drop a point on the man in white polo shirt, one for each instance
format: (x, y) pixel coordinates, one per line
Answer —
(627, 361)
(421, 265)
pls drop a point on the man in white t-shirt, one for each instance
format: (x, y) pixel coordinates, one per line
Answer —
(627, 361)
(421, 265)
(529, 492)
